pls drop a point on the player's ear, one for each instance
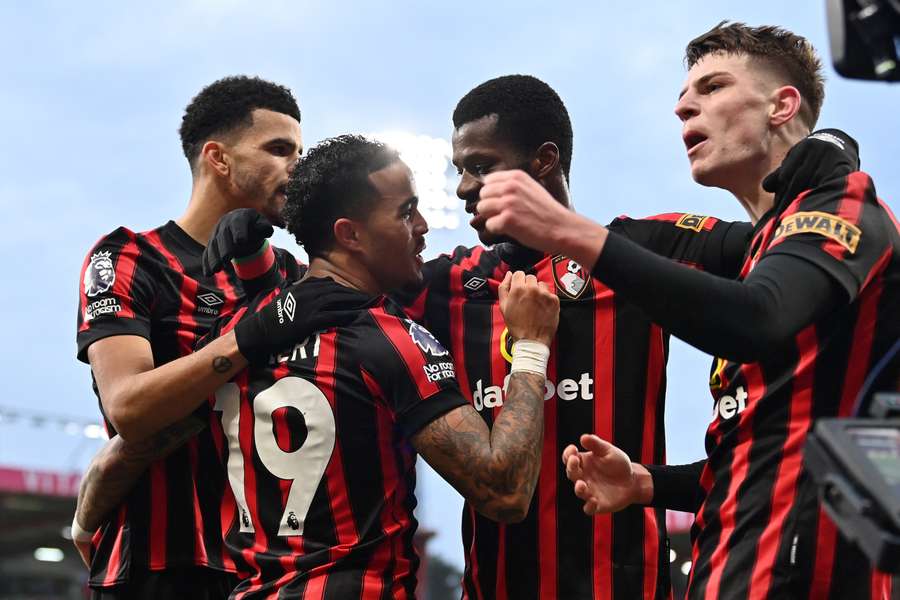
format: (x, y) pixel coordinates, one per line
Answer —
(545, 160)
(214, 157)
(347, 234)
(785, 104)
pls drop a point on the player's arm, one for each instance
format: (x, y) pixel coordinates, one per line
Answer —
(115, 469)
(607, 480)
(496, 469)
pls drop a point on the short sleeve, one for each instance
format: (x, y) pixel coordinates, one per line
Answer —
(702, 242)
(115, 291)
(410, 371)
(840, 227)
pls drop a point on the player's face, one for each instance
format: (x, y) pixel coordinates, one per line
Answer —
(393, 236)
(264, 154)
(724, 108)
(477, 151)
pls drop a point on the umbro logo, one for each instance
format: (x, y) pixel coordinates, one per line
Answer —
(290, 305)
(474, 284)
(210, 299)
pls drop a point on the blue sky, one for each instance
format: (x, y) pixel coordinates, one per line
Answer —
(94, 92)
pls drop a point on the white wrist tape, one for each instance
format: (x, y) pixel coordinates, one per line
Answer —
(530, 356)
(79, 534)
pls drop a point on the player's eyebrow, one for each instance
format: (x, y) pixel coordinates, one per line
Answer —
(281, 141)
(702, 81)
(412, 202)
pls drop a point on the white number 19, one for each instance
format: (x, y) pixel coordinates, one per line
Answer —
(304, 466)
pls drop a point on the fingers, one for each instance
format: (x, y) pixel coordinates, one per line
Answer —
(568, 451)
(595, 445)
(503, 289)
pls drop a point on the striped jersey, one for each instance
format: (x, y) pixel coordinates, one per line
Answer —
(759, 532)
(151, 284)
(606, 374)
(319, 456)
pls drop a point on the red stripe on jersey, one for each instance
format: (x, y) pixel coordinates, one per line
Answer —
(337, 492)
(158, 513)
(498, 373)
(740, 463)
(784, 491)
(826, 544)
(548, 559)
(187, 324)
(848, 209)
(114, 564)
(199, 543)
(414, 361)
(655, 370)
(470, 262)
(395, 518)
(604, 370)
(125, 277)
(861, 347)
(547, 488)
(458, 331)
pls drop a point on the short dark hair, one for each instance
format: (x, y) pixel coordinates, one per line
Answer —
(227, 104)
(529, 113)
(789, 55)
(329, 183)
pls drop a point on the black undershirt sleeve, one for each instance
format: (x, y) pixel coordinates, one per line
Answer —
(736, 320)
(677, 487)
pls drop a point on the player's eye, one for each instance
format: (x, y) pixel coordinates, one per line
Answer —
(481, 169)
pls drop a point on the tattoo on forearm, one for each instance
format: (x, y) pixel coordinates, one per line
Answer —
(501, 463)
(221, 364)
(117, 467)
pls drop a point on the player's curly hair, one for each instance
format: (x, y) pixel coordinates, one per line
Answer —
(329, 183)
(227, 104)
(791, 57)
(529, 113)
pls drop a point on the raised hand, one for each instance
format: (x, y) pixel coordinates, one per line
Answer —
(239, 234)
(531, 310)
(604, 476)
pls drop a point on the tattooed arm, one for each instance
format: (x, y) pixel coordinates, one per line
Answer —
(140, 399)
(116, 467)
(497, 469)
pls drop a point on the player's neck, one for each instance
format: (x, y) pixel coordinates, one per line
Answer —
(206, 207)
(345, 271)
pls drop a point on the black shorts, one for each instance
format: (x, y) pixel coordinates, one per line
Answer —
(197, 583)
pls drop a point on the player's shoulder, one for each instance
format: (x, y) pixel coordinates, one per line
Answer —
(387, 321)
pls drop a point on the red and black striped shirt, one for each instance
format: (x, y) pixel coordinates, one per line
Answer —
(606, 374)
(150, 284)
(759, 532)
(319, 458)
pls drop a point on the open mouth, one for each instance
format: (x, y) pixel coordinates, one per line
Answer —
(692, 140)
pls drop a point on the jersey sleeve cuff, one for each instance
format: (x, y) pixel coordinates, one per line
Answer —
(429, 409)
(118, 327)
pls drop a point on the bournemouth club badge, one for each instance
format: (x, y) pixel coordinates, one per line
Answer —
(570, 277)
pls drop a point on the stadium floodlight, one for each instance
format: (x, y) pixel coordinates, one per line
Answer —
(93, 431)
(429, 160)
(686, 567)
(673, 556)
(48, 554)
